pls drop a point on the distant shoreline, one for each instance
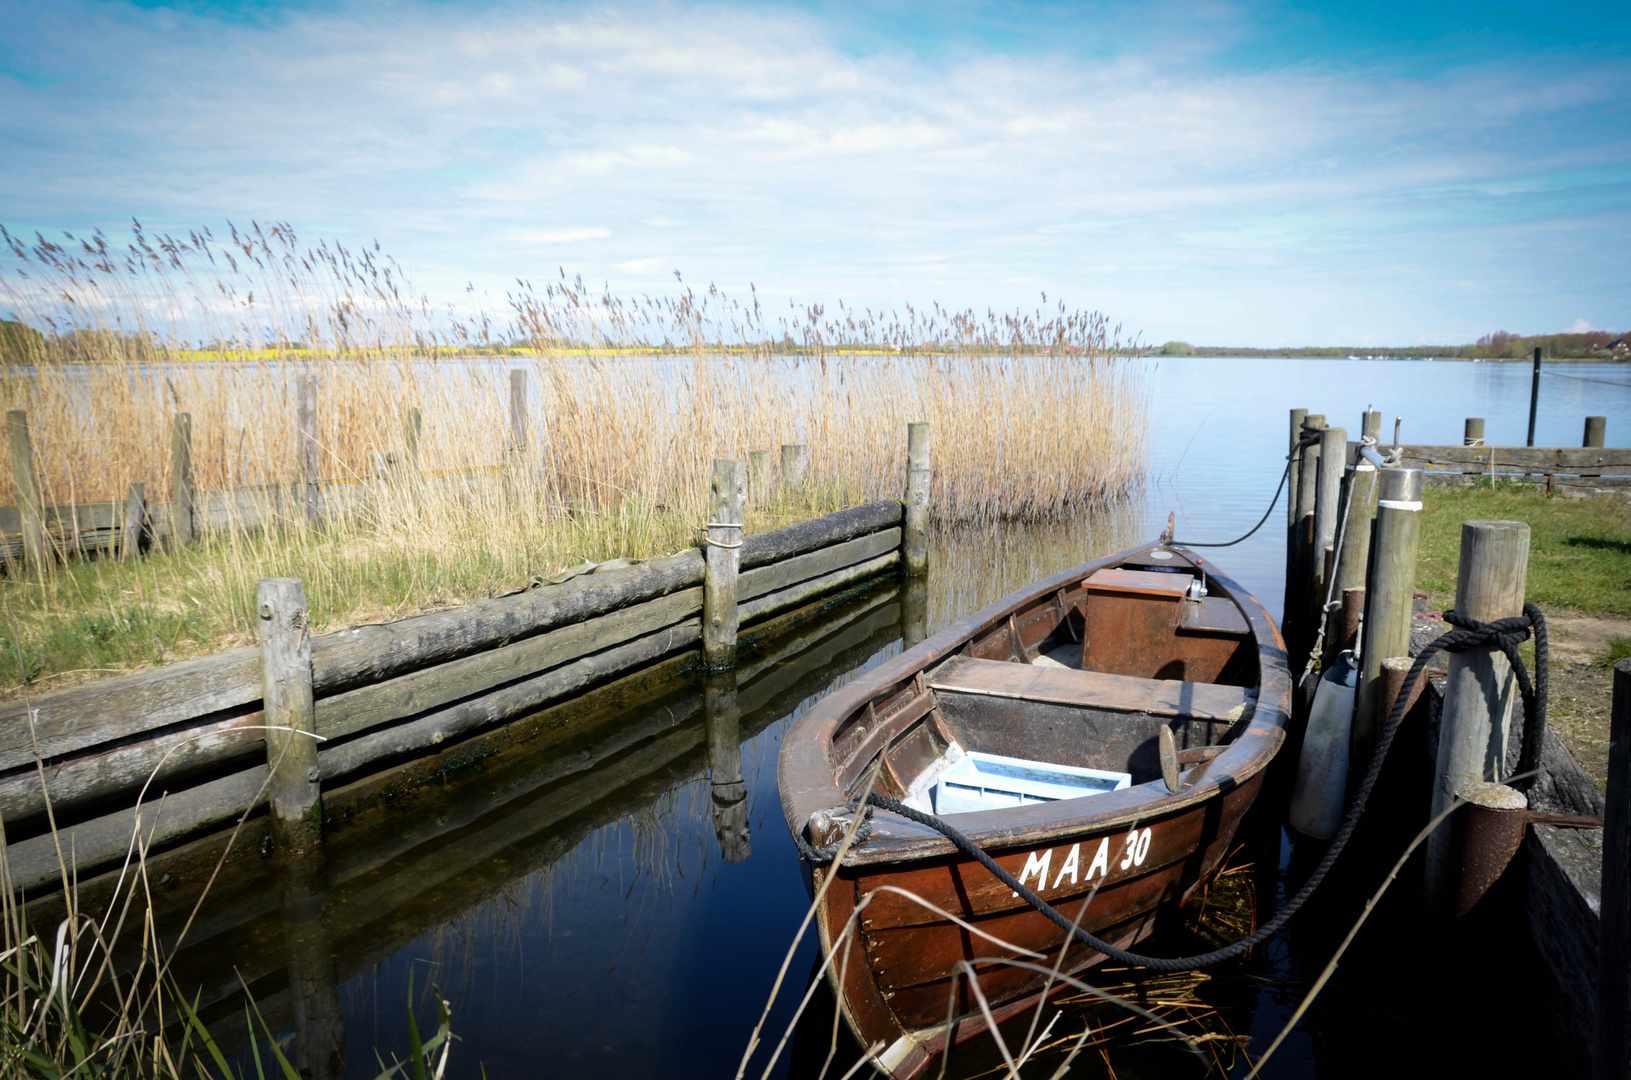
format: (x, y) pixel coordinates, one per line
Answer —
(1401, 354)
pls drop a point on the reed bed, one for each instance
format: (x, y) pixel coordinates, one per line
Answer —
(1036, 418)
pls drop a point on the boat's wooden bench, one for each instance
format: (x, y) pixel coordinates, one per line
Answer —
(1093, 689)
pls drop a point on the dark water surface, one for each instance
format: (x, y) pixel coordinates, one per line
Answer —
(571, 896)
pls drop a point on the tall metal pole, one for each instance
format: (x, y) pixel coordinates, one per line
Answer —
(1534, 397)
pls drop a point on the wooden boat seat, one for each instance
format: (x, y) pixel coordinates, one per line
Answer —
(1093, 689)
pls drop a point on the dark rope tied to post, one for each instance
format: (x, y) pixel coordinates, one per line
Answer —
(1309, 438)
(1505, 634)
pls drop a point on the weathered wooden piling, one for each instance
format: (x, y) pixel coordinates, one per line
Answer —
(28, 492)
(760, 479)
(915, 534)
(1370, 424)
(1299, 588)
(412, 427)
(518, 411)
(1472, 434)
(1612, 1059)
(1293, 520)
(1389, 598)
(1327, 511)
(286, 693)
(306, 413)
(1359, 508)
(1479, 692)
(1596, 430)
(727, 494)
(134, 524)
(181, 480)
(795, 468)
(723, 716)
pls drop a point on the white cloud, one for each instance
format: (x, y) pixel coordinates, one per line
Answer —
(754, 146)
(1580, 326)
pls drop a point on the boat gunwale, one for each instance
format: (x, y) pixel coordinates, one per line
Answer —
(808, 783)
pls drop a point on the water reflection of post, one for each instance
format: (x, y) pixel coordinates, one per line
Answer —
(313, 991)
(914, 609)
(724, 718)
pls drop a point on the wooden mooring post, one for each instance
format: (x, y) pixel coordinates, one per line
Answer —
(760, 479)
(1298, 633)
(181, 480)
(1389, 599)
(1612, 1059)
(306, 427)
(1327, 517)
(1534, 397)
(134, 524)
(727, 494)
(286, 695)
(914, 539)
(723, 715)
(1353, 544)
(1292, 519)
(1480, 688)
(1596, 431)
(28, 492)
(795, 468)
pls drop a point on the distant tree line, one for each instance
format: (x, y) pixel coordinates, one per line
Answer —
(1500, 345)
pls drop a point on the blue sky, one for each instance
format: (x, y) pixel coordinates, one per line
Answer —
(1218, 172)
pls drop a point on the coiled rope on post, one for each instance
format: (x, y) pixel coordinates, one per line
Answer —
(1505, 634)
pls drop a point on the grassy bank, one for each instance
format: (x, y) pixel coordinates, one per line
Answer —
(1579, 575)
(628, 402)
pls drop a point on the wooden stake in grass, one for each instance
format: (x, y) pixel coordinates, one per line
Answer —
(28, 491)
(795, 468)
(291, 752)
(181, 481)
(759, 479)
(306, 416)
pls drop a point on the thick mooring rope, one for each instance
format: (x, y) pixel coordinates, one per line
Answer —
(1308, 439)
(1506, 634)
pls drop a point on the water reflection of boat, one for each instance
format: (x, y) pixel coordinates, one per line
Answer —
(410, 850)
(1101, 733)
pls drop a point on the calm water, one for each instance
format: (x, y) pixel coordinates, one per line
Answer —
(571, 898)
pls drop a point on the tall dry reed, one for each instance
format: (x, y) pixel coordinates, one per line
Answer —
(1035, 416)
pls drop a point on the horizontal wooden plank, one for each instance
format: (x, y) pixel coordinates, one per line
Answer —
(761, 549)
(375, 748)
(1093, 689)
(72, 720)
(370, 706)
(767, 579)
(125, 767)
(764, 606)
(102, 842)
(1541, 459)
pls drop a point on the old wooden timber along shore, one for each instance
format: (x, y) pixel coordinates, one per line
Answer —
(178, 751)
(1510, 800)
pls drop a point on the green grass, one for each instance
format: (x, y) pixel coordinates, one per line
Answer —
(1579, 549)
(1618, 649)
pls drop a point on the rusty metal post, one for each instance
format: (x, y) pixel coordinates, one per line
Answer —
(1492, 827)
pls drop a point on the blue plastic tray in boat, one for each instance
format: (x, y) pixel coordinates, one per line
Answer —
(993, 782)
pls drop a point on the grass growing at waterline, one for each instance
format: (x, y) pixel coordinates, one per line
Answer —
(630, 399)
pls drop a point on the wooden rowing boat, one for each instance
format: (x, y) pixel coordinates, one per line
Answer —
(1081, 674)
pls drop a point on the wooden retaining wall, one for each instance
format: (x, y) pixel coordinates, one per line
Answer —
(191, 732)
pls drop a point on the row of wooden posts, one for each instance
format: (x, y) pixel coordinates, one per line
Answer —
(180, 528)
(285, 637)
(1361, 578)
